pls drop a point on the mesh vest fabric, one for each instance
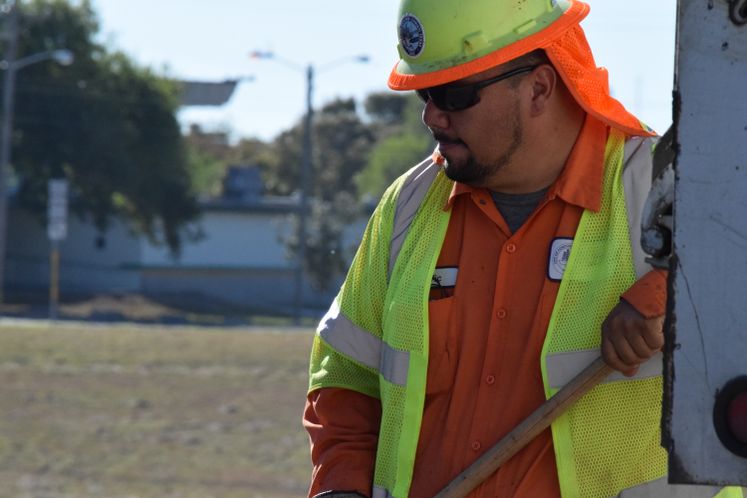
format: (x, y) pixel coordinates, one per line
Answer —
(610, 439)
(395, 311)
(361, 299)
(405, 322)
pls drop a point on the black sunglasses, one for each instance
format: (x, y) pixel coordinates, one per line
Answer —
(451, 97)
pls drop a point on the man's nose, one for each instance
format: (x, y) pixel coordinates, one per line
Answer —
(433, 117)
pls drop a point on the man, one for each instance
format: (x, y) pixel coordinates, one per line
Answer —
(493, 272)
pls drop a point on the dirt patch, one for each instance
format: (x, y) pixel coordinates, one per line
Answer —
(138, 308)
(132, 307)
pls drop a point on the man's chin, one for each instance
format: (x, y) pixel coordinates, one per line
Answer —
(451, 173)
(455, 162)
(462, 174)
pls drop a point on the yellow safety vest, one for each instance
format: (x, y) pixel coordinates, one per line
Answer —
(374, 340)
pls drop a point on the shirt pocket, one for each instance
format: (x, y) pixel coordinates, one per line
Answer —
(442, 346)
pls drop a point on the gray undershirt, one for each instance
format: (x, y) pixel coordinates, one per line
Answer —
(516, 208)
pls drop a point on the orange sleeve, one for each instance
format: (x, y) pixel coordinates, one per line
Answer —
(649, 294)
(343, 427)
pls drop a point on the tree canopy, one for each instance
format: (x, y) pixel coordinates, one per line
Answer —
(355, 156)
(402, 141)
(104, 123)
(353, 159)
(342, 143)
(110, 128)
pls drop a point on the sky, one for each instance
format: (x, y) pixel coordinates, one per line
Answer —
(211, 41)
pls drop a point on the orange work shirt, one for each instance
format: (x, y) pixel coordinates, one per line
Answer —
(484, 374)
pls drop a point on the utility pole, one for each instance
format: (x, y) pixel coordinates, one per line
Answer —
(303, 207)
(306, 166)
(11, 32)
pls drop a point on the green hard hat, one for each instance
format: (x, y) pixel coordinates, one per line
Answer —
(445, 40)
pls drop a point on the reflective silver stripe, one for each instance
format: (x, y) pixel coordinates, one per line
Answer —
(349, 339)
(661, 489)
(341, 333)
(637, 167)
(564, 366)
(381, 493)
(410, 197)
(394, 365)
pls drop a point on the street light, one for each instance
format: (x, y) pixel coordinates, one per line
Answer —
(306, 157)
(11, 66)
(61, 56)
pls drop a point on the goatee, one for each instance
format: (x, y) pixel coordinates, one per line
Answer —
(477, 174)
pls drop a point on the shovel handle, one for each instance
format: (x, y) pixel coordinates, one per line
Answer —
(526, 431)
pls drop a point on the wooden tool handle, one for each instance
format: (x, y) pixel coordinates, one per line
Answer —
(527, 430)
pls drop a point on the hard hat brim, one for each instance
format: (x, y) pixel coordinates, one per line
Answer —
(399, 79)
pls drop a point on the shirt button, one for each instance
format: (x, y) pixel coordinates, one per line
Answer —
(490, 380)
(501, 313)
(476, 445)
(511, 248)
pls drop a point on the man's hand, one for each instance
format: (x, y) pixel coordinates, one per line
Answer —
(629, 338)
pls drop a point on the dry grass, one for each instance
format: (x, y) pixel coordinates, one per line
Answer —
(125, 411)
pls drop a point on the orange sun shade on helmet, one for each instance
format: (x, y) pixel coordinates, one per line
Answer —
(589, 84)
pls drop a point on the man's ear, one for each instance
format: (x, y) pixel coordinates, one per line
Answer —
(544, 82)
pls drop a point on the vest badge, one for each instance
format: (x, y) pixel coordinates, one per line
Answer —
(560, 251)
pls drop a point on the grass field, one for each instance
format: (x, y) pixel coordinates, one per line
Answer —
(127, 411)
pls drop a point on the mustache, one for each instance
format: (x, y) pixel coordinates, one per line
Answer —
(444, 138)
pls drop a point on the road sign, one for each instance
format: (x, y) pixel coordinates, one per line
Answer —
(57, 209)
(705, 417)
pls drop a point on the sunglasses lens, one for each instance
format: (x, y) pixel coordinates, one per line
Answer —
(459, 98)
(450, 98)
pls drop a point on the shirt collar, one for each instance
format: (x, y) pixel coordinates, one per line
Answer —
(580, 182)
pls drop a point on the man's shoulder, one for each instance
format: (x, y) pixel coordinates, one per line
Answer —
(418, 177)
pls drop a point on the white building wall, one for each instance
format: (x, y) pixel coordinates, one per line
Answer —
(230, 239)
(90, 262)
(240, 260)
(27, 253)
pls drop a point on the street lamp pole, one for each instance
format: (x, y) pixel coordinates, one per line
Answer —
(305, 179)
(11, 66)
(306, 166)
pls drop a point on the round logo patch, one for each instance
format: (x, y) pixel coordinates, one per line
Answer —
(411, 35)
(560, 250)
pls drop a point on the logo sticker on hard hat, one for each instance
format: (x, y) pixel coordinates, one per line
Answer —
(411, 35)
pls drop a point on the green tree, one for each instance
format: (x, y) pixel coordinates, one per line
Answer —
(387, 108)
(255, 152)
(282, 173)
(104, 123)
(208, 156)
(206, 170)
(341, 146)
(401, 140)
